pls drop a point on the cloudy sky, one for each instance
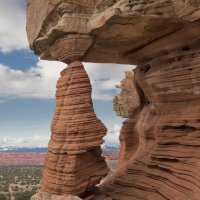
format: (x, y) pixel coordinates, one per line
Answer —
(27, 85)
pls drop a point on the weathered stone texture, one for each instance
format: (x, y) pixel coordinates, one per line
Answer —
(73, 163)
(159, 154)
(43, 196)
(71, 47)
(127, 98)
(123, 104)
(119, 26)
(37, 11)
(166, 163)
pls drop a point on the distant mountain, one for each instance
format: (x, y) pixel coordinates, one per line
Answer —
(105, 148)
(24, 149)
(110, 148)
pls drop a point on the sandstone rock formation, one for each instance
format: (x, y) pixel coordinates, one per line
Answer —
(73, 163)
(122, 103)
(161, 37)
(120, 26)
(166, 163)
(111, 156)
(127, 98)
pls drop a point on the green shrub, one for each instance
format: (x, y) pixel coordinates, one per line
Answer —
(3, 197)
(24, 195)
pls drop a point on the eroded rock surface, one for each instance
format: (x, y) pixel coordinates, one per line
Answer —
(127, 98)
(73, 163)
(119, 25)
(161, 37)
(43, 196)
(166, 165)
(122, 104)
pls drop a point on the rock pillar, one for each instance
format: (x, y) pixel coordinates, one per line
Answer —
(127, 98)
(73, 163)
(124, 104)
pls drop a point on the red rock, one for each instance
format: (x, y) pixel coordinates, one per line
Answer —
(73, 163)
(127, 98)
(21, 158)
(167, 161)
(162, 39)
(71, 47)
(111, 156)
(123, 104)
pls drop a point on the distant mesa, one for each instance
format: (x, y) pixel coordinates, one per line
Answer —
(105, 148)
(24, 149)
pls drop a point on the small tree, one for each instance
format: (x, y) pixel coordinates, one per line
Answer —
(22, 183)
(34, 189)
(16, 188)
(24, 195)
(2, 197)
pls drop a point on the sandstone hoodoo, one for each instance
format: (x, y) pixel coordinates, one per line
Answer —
(73, 163)
(159, 154)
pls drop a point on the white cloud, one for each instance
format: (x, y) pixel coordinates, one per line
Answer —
(37, 82)
(35, 141)
(104, 77)
(13, 26)
(40, 81)
(112, 137)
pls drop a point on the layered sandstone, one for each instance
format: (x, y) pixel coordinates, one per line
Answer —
(122, 104)
(166, 165)
(73, 163)
(119, 25)
(159, 154)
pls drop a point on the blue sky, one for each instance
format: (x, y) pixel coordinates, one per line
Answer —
(27, 85)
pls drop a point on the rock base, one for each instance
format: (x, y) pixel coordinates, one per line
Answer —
(43, 196)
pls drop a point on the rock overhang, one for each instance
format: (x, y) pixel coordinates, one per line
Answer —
(119, 27)
(159, 153)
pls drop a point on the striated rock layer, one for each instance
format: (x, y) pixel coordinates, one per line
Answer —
(166, 165)
(127, 98)
(119, 25)
(122, 104)
(159, 154)
(73, 163)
